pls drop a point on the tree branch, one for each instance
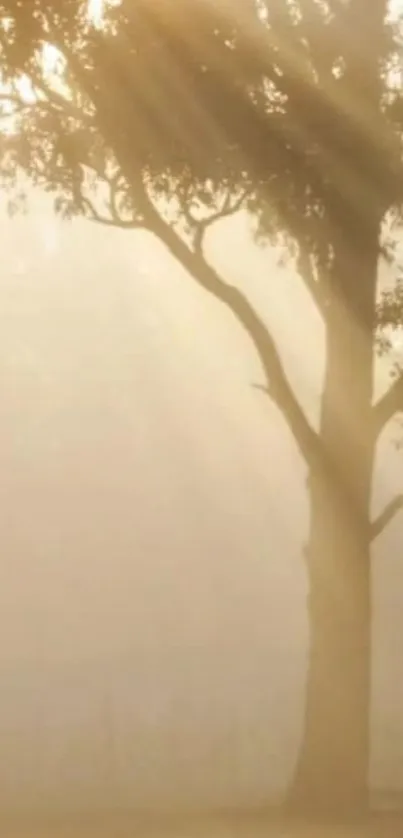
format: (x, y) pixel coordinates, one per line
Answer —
(200, 226)
(113, 217)
(233, 299)
(194, 262)
(388, 405)
(386, 516)
(113, 220)
(277, 384)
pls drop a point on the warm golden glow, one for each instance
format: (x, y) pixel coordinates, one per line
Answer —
(96, 11)
(156, 505)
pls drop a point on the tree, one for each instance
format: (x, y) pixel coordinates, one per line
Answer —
(183, 111)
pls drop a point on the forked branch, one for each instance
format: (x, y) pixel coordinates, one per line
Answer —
(200, 226)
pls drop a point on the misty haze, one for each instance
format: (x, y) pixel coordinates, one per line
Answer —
(154, 513)
(201, 421)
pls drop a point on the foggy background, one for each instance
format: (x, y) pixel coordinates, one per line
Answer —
(153, 640)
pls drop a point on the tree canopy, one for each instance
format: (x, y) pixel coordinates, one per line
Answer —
(195, 97)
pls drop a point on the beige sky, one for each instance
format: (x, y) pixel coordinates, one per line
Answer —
(153, 509)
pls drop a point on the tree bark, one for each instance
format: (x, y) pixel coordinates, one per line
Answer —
(332, 769)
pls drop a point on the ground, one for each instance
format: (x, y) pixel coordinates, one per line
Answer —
(241, 826)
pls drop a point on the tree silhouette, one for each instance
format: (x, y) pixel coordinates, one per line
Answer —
(171, 115)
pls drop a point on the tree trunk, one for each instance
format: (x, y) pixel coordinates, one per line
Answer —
(332, 769)
(331, 775)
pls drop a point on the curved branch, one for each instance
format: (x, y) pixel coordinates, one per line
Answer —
(277, 384)
(386, 516)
